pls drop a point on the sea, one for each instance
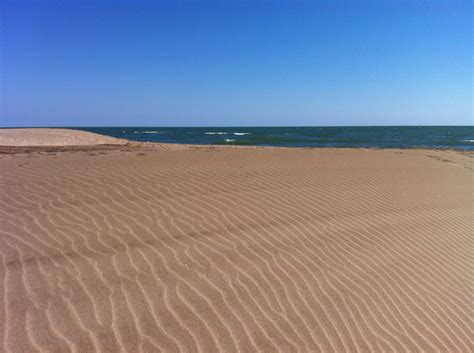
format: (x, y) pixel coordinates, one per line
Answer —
(443, 137)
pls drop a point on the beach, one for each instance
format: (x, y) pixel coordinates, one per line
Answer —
(112, 246)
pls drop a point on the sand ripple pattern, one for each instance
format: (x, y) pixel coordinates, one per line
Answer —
(236, 250)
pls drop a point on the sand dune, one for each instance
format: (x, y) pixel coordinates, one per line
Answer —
(54, 137)
(236, 250)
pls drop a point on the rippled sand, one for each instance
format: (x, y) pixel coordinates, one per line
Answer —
(236, 250)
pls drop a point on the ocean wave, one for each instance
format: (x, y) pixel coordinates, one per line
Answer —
(229, 140)
(471, 141)
(242, 133)
(215, 133)
(146, 132)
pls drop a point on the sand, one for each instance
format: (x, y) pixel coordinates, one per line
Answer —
(54, 137)
(155, 248)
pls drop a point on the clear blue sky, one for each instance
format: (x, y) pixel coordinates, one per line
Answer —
(189, 63)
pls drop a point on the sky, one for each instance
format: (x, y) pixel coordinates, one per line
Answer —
(236, 63)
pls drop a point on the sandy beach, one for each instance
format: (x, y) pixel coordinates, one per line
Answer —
(54, 137)
(163, 248)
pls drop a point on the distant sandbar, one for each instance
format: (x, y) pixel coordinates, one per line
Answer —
(54, 137)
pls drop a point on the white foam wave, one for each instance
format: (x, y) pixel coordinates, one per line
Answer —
(229, 140)
(146, 132)
(215, 133)
(242, 133)
(471, 141)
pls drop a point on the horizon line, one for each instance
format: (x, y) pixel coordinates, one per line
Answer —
(216, 126)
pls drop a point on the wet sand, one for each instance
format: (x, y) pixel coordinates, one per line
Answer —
(165, 248)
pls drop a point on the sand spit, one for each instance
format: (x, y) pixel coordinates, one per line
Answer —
(143, 249)
(54, 137)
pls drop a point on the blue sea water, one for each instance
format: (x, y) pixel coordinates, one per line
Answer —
(454, 137)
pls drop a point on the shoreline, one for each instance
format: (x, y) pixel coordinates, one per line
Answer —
(179, 146)
(112, 142)
(102, 144)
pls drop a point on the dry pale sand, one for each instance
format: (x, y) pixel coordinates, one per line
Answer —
(236, 250)
(54, 137)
